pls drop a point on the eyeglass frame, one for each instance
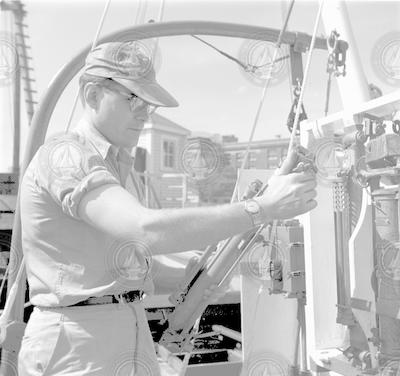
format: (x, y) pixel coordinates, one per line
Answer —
(135, 102)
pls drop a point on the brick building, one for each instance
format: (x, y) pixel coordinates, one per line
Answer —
(159, 160)
(265, 154)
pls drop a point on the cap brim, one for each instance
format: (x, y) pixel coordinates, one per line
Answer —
(150, 91)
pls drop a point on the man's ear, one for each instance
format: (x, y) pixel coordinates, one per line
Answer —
(92, 94)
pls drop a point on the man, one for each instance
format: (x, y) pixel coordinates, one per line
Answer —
(88, 240)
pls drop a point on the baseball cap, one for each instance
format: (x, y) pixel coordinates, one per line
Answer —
(129, 64)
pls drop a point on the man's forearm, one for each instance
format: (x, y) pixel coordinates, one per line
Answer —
(177, 230)
(113, 210)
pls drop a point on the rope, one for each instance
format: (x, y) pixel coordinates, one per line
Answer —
(96, 37)
(161, 11)
(247, 68)
(328, 93)
(307, 70)
(230, 57)
(264, 92)
(159, 18)
(141, 12)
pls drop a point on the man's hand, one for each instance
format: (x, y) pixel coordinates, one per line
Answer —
(289, 194)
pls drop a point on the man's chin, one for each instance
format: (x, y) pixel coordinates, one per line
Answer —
(130, 143)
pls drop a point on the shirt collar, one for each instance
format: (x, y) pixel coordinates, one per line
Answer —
(101, 143)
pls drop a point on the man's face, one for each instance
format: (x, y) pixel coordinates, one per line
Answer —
(118, 120)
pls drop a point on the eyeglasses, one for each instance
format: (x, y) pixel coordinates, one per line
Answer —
(136, 103)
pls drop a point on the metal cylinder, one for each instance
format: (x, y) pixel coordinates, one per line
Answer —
(342, 235)
(387, 254)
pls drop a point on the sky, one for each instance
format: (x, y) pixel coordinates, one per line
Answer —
(214, 93)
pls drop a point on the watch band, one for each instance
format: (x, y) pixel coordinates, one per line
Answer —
(255, 212)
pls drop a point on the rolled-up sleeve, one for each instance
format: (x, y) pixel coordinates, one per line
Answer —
(67, 168)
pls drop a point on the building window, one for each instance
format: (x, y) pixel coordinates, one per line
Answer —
(252, 161)
(168, 154)
(239, 158)
(273, 158)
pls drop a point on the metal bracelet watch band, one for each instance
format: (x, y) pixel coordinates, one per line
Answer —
(255, 212)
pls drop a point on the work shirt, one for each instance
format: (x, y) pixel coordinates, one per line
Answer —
(68, 260)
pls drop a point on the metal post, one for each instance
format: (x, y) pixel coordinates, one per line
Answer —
(184, 190)
(16, 120)
(147, 190)
(354, 86)
(323, 269)
(8, 59)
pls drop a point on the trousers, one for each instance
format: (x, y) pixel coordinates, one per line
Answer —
(96, 340)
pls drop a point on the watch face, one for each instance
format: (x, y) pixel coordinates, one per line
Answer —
(252, 207)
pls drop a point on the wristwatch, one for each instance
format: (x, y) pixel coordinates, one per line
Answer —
(255, 211)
